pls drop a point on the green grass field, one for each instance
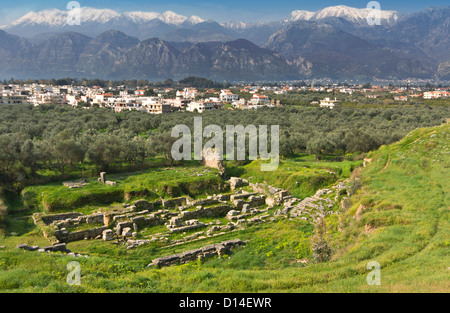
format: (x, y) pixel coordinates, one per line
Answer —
(398, 217)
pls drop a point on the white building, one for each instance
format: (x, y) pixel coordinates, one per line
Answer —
(7, 97)
(227, 96)
(260, 99)
(178, 103)
(202, 106)
(187, 93)
(72, 100)
(435, 94)
(102, 98)
(328, 103)
(47, 98)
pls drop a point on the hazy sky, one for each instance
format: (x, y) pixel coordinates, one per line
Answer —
(219, 10)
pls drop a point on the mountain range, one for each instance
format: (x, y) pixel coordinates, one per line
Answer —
(115, 55)
(336, 42)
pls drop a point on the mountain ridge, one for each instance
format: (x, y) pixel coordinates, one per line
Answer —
(319, 49)
(341, 11)
(115, 55)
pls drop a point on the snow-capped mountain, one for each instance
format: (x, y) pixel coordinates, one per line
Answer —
(54, 18)
(57, 18)
(139, 17)
(353, 15)
(194, 20)
(301, 15)
(95, 21)
(168, 17)
(235, 25)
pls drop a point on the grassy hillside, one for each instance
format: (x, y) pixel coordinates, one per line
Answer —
(164, 182)
(397, 216)
(301, 175)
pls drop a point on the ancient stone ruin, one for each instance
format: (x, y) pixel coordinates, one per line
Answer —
(182, 220)
(76, 184)
(220, 249)
(236, 182)
(59, 247)
(212, 158)
(103, 180)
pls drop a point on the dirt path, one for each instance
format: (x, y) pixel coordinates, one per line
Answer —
(422, 136)
(389, 157)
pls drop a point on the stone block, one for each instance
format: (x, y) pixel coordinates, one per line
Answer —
(127, 232)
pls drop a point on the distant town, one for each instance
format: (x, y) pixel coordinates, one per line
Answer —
(162, 100)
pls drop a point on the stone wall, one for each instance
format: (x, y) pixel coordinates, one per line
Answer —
(144, 205)
(96, 218)
(253, 201)
(208, 201)
(147, 221)
(173, 203)
(188, 226)
(68, 219)
(112, 216)
(225, 247)
(66, 236)
(215, 211)
(244, 195)
(48, 219)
